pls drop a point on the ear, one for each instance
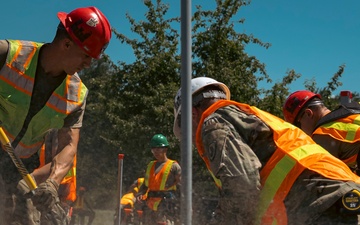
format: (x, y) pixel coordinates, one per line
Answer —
(309, 113)
(67, 43)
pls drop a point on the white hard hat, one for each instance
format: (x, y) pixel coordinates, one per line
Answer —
(197, 84)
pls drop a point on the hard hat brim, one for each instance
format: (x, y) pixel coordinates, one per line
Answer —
(62, 17)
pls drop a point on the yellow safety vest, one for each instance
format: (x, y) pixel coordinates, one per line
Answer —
(346, 130)
(129, 198)
(17, 81)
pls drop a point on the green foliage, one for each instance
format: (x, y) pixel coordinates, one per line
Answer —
(219, 53)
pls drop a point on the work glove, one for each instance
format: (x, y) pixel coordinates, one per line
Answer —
(57, 215)
(22, 186)
(46, 195)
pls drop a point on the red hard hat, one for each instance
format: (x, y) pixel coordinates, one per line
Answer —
(88, 28)
(295, 102)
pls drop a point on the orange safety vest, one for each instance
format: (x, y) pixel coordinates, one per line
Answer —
(69, 179)
(295, 152)
(346, 129)
(156, 182)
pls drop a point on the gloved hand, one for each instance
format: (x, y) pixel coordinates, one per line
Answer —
(56, 215)
(46, 195)
(22, 186)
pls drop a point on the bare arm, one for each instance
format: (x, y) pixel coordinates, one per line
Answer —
(42, 173)
(68, 140)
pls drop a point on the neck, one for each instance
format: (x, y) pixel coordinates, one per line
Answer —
(162, 159)
(49, 62)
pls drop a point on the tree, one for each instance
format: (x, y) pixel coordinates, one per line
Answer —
(145, 89)
(219, 51)
(96, 161)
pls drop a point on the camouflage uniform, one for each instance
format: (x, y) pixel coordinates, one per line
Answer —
(238, 145)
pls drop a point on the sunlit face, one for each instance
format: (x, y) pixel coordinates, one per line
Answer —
(158, 152)
(75, 58)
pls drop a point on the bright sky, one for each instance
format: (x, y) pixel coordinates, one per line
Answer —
(312, 37)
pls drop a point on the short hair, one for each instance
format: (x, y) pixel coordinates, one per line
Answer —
(61, 32)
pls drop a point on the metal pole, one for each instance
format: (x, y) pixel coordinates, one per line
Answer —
(186, 116)
(120, 175)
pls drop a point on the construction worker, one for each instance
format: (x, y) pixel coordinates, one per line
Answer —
(129, 203)
(337, 131)
(162, 177)
(267, 170)
(82, 209)
(40, 90)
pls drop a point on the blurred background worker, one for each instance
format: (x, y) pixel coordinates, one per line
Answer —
(82, 209)
(131, 208)
(338, 131)
(161, 179)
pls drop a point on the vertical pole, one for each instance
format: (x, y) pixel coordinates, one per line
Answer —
(186, 116)
(120, 175)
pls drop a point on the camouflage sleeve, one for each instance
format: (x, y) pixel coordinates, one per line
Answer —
(228, 151)
(175, 168)
(233, 161)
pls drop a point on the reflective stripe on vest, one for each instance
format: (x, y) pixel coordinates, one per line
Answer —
(140, 181)
(17, 81)
(295, 152)
(157, 182)
(345, 129)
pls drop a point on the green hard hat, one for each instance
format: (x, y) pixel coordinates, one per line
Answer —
(158, 141)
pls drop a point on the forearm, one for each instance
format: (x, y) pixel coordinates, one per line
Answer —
(42, 173)
(63, 161)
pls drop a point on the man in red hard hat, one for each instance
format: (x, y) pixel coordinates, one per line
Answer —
(41, 90)
(337, 131)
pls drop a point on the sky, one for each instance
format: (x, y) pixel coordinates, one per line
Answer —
(312, 37)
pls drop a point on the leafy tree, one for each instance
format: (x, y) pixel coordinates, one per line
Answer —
(143, 104)
(219, 51)
(96, 161)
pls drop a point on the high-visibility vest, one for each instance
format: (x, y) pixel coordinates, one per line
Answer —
(157, 182)
(295, 152)
(129, 198)
(345, 129)
(17, 78)
(69, 179)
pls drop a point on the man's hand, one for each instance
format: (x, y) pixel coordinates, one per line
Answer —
(46, 195)
(22, 187)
